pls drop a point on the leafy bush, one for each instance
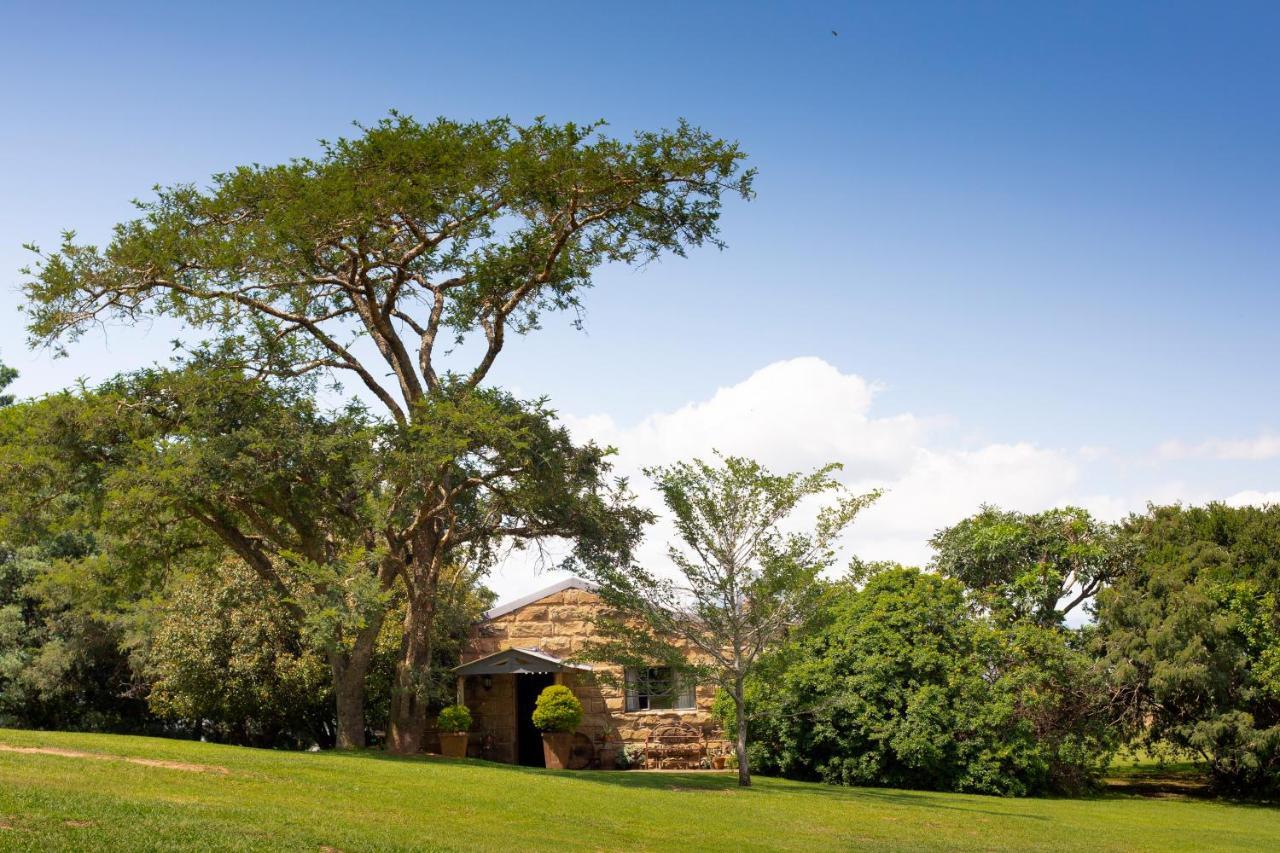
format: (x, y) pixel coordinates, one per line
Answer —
(455, 718)
(227, 658)
(557, 710)
(722, 706)
(631, 755)
(900, 684)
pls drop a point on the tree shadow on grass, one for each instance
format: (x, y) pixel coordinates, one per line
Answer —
(1187, 782)
(1167, 780)
(708, 781)
(374, 754)
(1139, 784)
(931, 801)
(695, 782)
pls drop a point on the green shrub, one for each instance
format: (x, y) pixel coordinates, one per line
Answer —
(629, 756)
(455, 718)
(557, 710)
(223, 654)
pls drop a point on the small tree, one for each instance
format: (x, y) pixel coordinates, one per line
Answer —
(230, 662)
(743, 580)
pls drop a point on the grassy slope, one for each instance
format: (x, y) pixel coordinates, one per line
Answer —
(278, 800)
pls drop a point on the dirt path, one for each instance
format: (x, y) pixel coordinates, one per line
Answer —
(98, 756)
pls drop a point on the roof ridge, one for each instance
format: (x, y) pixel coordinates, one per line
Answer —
(573, 582)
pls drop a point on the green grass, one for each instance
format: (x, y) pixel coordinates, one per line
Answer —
(298, 801)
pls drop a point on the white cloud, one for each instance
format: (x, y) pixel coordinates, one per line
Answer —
(1261, 447)
(1094, 453)
(1110, 507)
(945, 485)
(1252, 497)
(802, 413)
(791, 414)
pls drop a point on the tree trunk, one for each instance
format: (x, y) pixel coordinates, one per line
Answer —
(740, 748)
(409, 692)
(349, 670)
(348, 691)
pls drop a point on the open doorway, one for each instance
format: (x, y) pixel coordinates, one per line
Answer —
(528, 738)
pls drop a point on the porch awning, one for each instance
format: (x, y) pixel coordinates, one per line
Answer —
(517, 662)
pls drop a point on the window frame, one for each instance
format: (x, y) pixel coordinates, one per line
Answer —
(643, 685)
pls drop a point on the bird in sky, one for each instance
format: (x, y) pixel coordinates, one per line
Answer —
(834, 33)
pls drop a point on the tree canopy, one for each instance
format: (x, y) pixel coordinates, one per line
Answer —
(398, 236)
(1191, 635)
(1039, 566)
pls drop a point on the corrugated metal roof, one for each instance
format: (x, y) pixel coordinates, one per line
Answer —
(570, 583)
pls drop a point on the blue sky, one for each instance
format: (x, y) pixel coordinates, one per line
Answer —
(1049, 226)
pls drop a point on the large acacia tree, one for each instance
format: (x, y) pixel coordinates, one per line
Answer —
(391, 258)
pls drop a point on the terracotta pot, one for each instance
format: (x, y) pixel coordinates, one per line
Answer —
(717, 762)
(453, 744)
(556, 749)
(608, 759)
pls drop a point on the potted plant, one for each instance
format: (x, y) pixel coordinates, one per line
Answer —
(453, 724)
(556, 714)
(608, 748)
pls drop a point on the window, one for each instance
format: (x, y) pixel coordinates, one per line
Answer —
(657, 688)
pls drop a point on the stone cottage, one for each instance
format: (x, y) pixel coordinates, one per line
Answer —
(519, 648)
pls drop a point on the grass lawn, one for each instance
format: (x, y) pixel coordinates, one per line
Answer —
(235, 798)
